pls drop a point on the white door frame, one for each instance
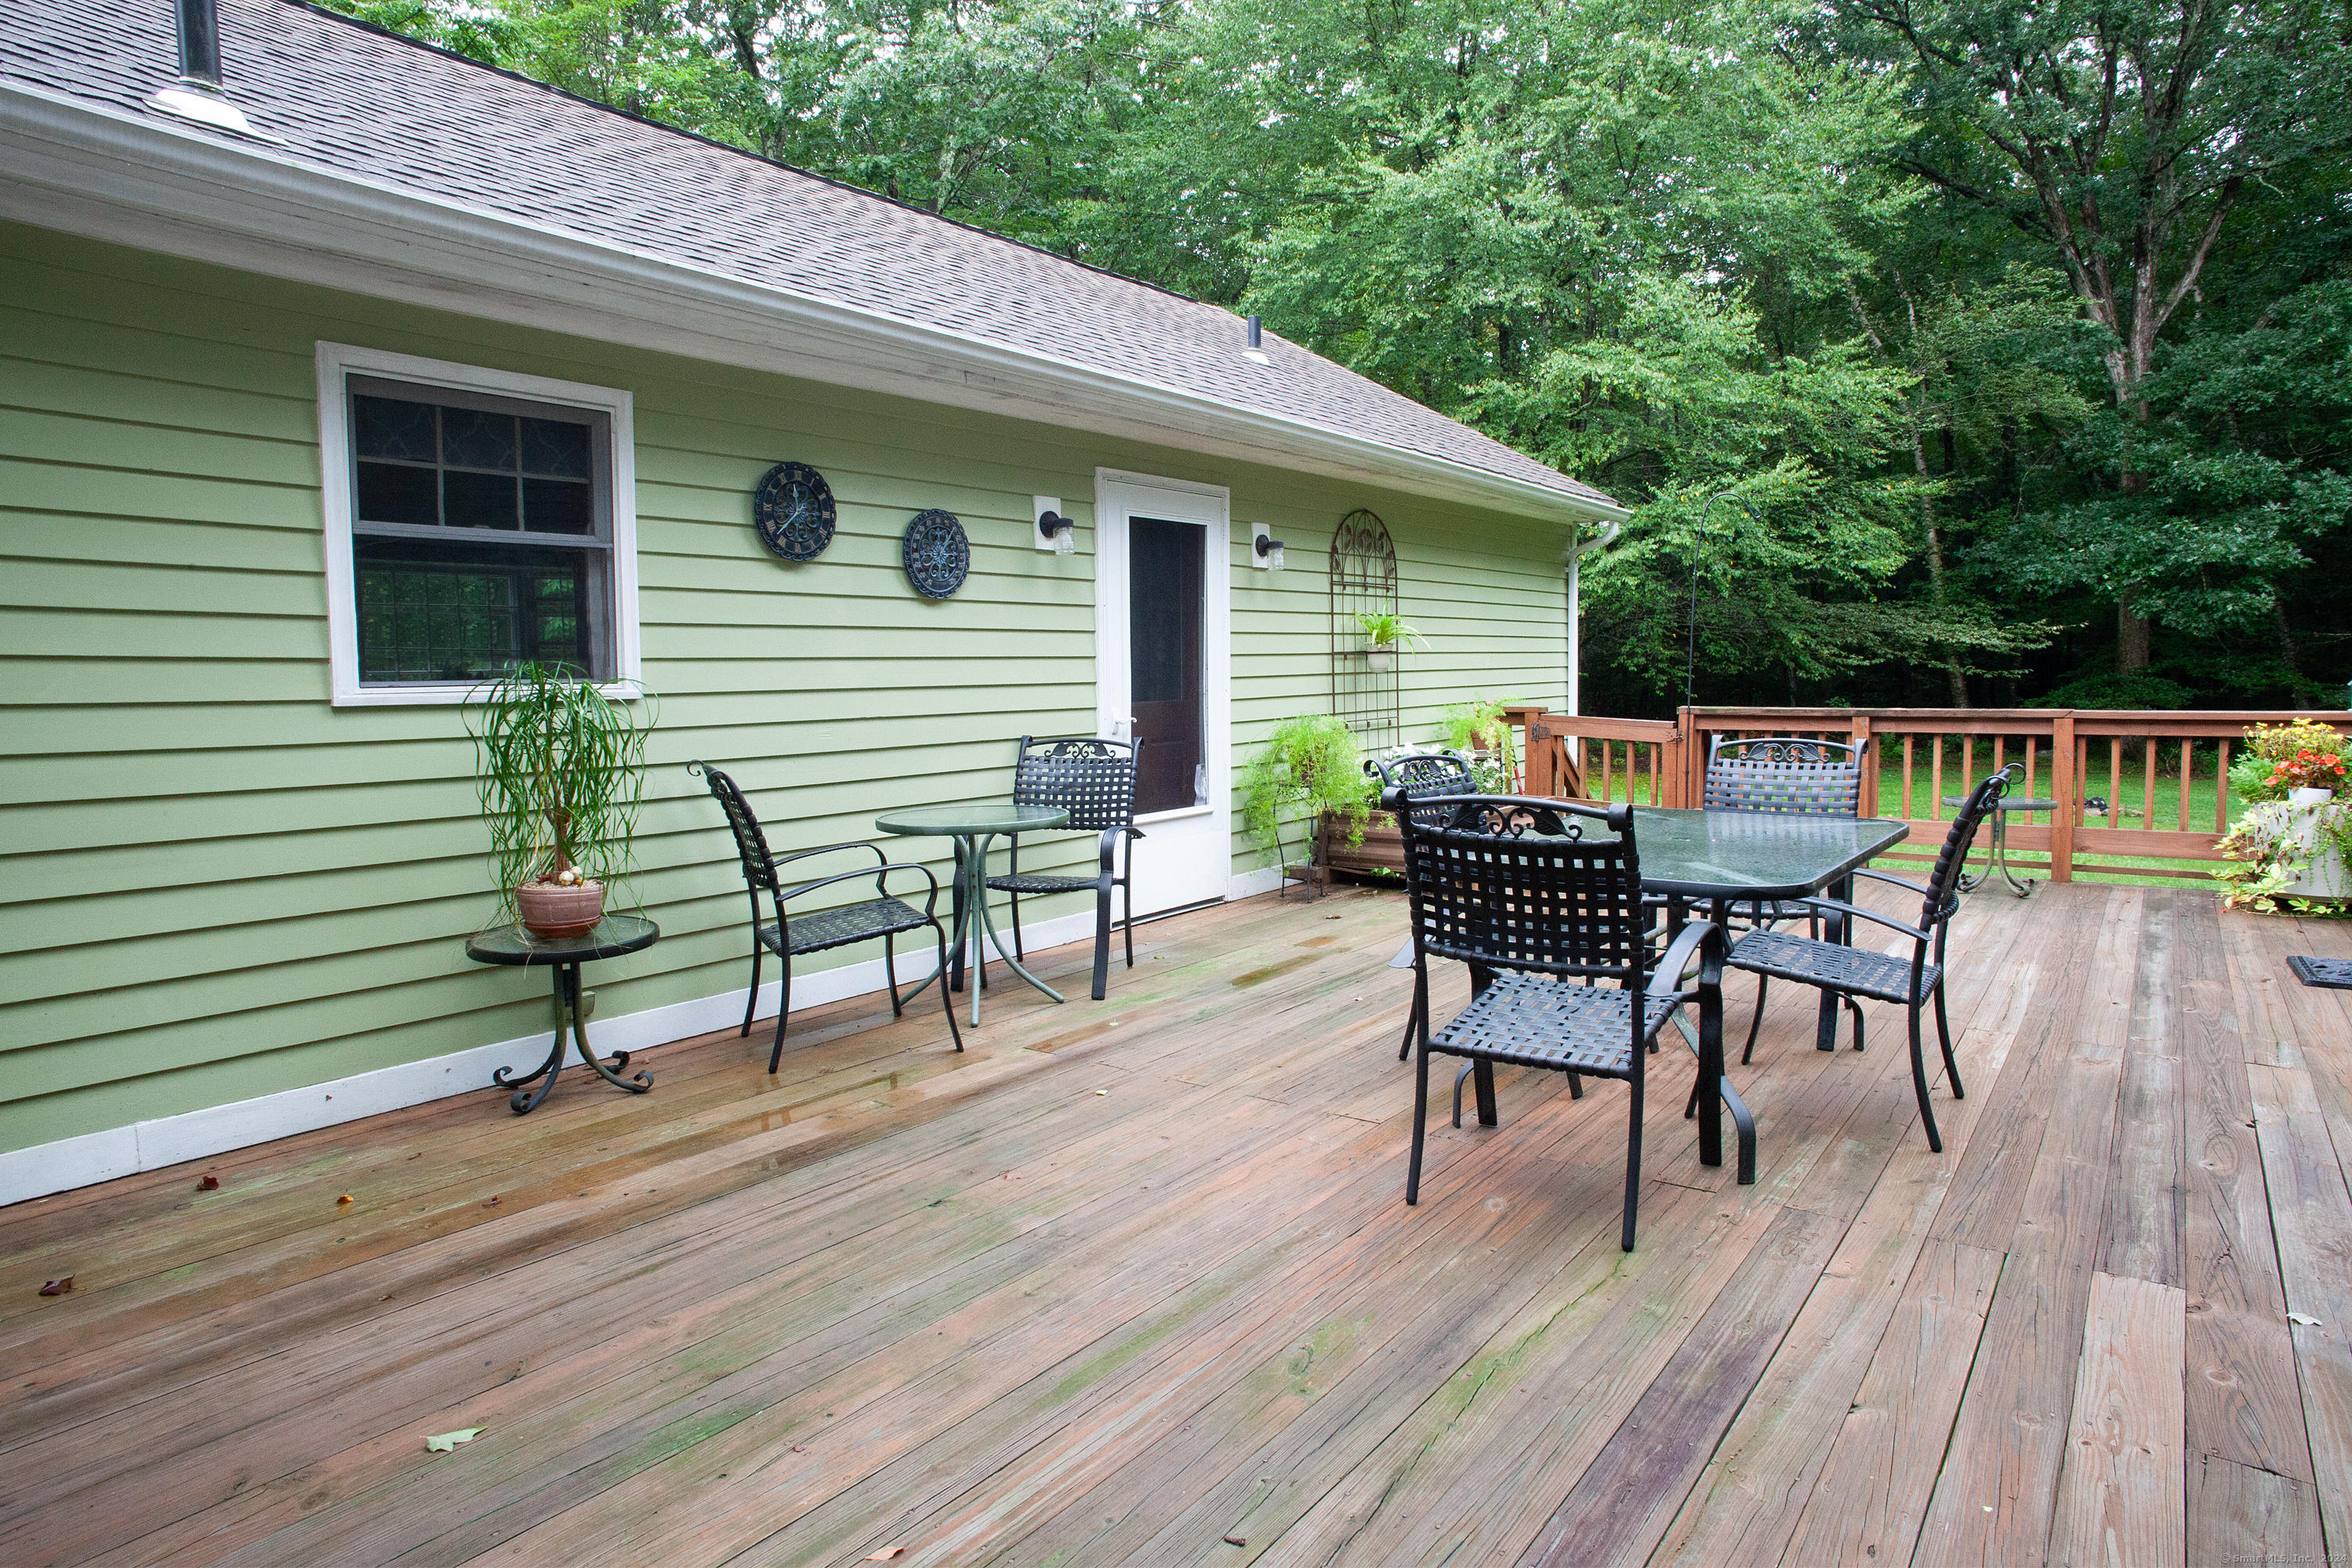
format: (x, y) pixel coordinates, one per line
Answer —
(1207, 830)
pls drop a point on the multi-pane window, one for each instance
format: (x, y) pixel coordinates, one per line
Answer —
(481, 534)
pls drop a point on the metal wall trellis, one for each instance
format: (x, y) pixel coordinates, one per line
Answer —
(1363, 581)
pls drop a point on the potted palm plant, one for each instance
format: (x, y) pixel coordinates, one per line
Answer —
(1384, 634)
(561, 769)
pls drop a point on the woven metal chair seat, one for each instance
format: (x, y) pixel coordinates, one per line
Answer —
(815, 932)
(1854, 970)
(1528, 1020)
(1039, 883)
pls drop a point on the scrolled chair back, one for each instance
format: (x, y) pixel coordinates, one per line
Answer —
(1091, 778)
(1785, 774)
(1425, 776)
(750, 843)
(1943, 882)
(1517, 883)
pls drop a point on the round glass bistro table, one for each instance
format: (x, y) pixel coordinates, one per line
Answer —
(562, 956)
(1998, 858)
(972, 828)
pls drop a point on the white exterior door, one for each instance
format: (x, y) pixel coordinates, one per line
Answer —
(1163, 593)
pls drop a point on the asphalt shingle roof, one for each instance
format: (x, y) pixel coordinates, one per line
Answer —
(353, 101)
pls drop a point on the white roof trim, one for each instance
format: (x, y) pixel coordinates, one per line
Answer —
(91, 169)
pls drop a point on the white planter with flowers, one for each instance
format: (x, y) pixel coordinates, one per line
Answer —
(2292, 840)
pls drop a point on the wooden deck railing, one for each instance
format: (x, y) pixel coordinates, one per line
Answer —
(2176, 807)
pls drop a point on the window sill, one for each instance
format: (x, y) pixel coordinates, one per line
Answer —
(453, 695)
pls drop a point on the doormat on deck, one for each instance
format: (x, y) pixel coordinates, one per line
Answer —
(2331, 971)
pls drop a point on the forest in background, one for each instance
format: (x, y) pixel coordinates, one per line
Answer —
(1975, 352)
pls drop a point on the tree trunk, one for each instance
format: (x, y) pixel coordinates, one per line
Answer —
(2131, 638)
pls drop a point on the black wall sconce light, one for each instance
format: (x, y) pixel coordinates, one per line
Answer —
(1056, 532)
(1266, 550)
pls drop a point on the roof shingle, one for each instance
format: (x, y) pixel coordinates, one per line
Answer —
(354, 101)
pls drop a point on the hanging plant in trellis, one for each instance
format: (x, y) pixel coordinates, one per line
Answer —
(1364, 690)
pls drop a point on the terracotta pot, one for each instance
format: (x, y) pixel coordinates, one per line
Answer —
(550, 910)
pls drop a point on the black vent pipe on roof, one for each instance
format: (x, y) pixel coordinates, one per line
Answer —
(1253, 331)
(199, 42)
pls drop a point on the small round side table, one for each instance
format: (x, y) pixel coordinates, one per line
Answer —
(1997, 859)
(564, 955)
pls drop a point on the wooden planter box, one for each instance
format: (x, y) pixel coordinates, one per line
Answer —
(1381, 851)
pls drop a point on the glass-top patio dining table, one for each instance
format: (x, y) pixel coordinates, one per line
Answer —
(1715, 859)
(1720, 858)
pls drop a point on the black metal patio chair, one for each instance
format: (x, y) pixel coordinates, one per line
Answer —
(1424, 775)
(1849, 972)
(1781, 774)
(1094, 780)
(837, 926)
(1540, 913)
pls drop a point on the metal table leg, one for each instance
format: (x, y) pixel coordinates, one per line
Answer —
(1834, 929)
(570, 1028)
(988, 926)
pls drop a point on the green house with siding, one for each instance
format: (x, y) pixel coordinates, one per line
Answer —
(332, 387)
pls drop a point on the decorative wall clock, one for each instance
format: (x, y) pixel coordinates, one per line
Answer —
(794, 511)
(936, 553)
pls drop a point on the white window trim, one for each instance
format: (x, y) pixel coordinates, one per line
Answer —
(337, 364)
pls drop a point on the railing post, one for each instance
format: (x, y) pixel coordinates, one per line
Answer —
(1859, 732)
(1685, 747)
(2067, 791)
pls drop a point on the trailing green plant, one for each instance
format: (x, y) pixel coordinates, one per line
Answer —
(561, 770)
(1383, 629)
(1477, 731)
(1308, 765)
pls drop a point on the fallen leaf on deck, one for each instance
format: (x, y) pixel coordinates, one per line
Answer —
(887, 1554)
(341, 1201)
(1238, 1540)
(209, 1184)
(447, 1442)
(798, 1450)
(2306, 1319)
(494, 1202)
(1102, 1091)
(57, 1286)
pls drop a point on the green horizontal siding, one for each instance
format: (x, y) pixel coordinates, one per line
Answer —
(213, 885)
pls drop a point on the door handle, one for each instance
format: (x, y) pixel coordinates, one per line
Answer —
(1123, 729)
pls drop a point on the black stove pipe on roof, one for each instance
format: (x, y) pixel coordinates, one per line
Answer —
(199, 42)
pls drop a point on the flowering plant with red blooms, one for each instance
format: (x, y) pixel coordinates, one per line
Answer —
(2308, 769)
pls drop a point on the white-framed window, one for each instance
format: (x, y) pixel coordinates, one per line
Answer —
(474, 518)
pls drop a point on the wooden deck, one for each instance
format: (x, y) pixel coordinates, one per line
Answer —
(1135, 1283)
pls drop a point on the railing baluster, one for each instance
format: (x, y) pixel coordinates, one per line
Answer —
(2115, 780)
(1907, 739)
(2221, 786)
(2147, 783)
(2187, 760)
(1936, 781)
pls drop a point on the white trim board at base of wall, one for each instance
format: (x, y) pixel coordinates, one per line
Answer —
(94, 1157)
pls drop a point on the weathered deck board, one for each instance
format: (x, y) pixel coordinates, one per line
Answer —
(1127, 1279)
(2121, 1496)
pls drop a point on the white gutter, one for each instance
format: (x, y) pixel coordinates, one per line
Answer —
(95, 171)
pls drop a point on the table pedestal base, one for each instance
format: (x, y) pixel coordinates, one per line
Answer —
(570, 1028)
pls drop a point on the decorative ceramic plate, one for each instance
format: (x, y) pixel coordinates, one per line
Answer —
(937, 553)
(793, 509)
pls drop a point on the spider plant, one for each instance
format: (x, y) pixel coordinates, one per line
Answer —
(561, 769)
(1385, 632)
